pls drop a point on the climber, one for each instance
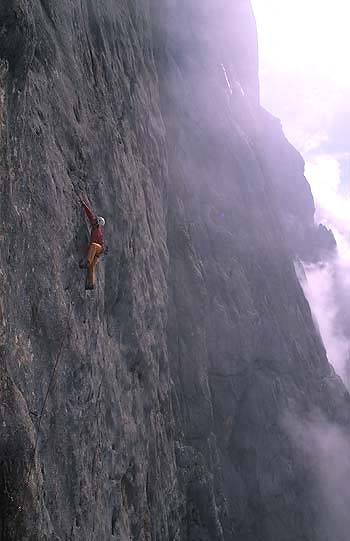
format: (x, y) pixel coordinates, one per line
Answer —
(96, 246)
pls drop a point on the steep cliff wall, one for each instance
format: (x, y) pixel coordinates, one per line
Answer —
(80, 112)
(157, 406)
(243, 350)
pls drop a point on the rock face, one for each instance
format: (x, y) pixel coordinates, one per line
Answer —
(161, 405)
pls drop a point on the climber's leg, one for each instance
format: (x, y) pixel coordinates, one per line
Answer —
(95, 250)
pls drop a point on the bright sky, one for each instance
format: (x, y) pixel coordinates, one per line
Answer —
(304, 50)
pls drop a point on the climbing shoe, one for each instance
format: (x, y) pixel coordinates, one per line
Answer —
(88, 287)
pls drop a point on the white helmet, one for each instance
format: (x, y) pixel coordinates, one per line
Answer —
(101, 221)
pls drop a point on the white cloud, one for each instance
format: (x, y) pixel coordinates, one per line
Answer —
(305, 82)
(303, 48)
(324, 175)
(328, 284)
(325, 453)
(319, 290)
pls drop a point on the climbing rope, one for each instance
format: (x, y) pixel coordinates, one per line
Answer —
(42, 411)
(58, 357)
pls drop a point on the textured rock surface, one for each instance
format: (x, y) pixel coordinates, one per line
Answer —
(170, 384)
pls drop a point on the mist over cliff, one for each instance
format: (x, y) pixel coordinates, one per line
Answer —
(189, 395)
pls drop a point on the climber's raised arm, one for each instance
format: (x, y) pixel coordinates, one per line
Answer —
(88, 211)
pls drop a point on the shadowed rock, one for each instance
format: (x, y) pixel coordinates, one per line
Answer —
(159, 400)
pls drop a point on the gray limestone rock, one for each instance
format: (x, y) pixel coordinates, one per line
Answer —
(166, 404)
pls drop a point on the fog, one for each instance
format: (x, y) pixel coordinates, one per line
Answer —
(306, 83)
(323, 449)
(327, 285)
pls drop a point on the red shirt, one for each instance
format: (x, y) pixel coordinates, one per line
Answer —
(96, 231)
